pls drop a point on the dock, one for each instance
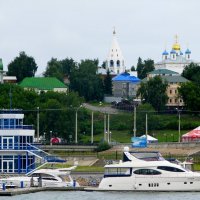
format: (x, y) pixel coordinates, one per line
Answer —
(18, 191)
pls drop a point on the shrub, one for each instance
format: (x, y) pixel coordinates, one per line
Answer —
(103, 146)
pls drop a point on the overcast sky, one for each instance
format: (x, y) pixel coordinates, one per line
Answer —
(82, 29)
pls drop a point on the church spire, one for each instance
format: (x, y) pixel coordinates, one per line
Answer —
(115, 59)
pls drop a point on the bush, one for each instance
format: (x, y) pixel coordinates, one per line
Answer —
(103, 146)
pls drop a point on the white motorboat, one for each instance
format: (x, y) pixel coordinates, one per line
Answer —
(148, 171)
(44, 178)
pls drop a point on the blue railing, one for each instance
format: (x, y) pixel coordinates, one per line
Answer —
(16, 127)
(23, 146)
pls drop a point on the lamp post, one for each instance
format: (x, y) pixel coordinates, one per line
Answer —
(44, 138)
(76, 124)
(134, 126)
(110, 133)
(172, 137)
(105, 131)
(50, 138)
(38, 123)
(108, 136)
(179, 125)
(92, 128)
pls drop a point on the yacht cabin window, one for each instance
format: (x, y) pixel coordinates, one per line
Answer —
(170, 169)
(146, 172)
(118, 171)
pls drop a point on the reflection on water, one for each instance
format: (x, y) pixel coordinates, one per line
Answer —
(107, 196)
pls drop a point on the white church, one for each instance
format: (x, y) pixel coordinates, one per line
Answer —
(115, 59)
(175, 60)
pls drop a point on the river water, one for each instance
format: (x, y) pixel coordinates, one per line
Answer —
(81, 195)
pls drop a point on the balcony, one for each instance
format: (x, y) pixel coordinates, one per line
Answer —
(11, 127)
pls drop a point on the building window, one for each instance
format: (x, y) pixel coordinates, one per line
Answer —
(118, 63)
(111, 63)
(170, 100)
(170, 91)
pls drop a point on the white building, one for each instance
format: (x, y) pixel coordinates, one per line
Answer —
(115, 59)
(176, 60)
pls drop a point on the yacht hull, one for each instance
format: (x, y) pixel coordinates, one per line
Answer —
(151, 183)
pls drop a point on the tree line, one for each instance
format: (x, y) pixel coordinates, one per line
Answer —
(81, 77)
(84, 79)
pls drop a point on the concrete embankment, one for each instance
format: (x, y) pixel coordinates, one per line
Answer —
(19, 191)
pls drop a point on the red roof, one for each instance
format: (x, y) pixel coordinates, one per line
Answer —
(193, 134)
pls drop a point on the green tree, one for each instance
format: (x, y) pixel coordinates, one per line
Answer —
(192, 72)
(85, 80)
(60, 68)
(22, 66)
(132, 68)
(140, 67)
(154, 92)
(54, 69)
(108, 83)
(104, 64)
(144, 67)
(57, 110)
(190, 92)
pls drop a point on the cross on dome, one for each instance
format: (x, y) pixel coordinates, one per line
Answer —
(176, 46)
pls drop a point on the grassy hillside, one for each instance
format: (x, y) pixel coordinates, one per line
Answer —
(162, 126)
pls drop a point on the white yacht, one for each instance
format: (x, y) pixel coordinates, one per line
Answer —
(148, 171)
(49, 178)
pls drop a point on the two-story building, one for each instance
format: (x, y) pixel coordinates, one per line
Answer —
(174, 81)
(125, 85)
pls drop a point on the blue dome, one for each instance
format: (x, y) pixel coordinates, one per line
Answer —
(173, 51)
(165, 53)
(187, 51)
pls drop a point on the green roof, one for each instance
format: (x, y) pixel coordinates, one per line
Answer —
(170, 79)
(162, 71)
(42, 83)
(1, 65)
(175, 79)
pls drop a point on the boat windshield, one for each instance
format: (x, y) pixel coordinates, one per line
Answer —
(117, 171)
(148, 156)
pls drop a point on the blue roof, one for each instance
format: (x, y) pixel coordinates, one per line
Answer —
(126, 77)
(187, 51)
(172, 51)
(165, 53)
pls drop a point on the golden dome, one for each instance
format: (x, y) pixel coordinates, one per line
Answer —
(176, 47)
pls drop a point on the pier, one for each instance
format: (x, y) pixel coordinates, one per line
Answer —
(18, 191)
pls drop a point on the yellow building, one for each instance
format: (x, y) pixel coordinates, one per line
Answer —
(174, 81)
